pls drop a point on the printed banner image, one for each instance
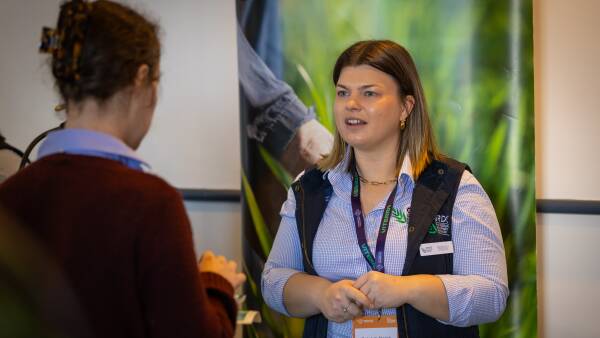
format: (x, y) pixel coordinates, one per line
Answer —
(475, 63)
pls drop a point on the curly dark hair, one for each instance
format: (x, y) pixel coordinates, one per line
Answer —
(101, 45)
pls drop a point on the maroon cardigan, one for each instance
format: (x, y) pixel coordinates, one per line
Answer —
(124, 242)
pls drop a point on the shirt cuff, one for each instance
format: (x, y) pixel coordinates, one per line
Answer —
(273, 283)
(473, 299)
(458, 296)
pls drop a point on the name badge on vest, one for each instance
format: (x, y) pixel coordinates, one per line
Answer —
(374, 326)
(436, 248)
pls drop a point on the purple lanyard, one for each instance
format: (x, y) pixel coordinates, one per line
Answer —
(376, 263)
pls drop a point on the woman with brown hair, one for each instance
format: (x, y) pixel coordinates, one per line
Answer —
(387, 236)
(121, 235)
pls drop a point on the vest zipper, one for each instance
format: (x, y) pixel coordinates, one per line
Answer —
(405, 323)
(304, 229)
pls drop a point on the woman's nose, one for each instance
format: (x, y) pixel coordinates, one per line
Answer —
(352, 104)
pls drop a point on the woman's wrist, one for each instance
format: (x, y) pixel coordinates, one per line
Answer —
(413, 288)
(303, 294)
(319, 292)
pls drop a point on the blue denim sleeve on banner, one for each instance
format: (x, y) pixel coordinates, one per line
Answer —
(281, 111)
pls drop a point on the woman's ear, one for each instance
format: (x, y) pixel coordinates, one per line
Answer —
(142, 75)
(409, 104)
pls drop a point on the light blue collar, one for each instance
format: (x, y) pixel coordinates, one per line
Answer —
(91, 143)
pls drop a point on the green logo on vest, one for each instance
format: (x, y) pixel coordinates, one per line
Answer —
(400, 216)
(432, 229)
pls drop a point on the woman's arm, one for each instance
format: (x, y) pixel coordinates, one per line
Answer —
(301, 294)
(287, 289)
(478, 288)
(176, 299)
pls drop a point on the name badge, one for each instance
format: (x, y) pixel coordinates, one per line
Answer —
(374, 326)
(436, 248)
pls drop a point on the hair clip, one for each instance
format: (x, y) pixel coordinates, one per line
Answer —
(50, 40)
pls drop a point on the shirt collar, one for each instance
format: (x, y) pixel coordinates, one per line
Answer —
(88, 142)
(341, 179)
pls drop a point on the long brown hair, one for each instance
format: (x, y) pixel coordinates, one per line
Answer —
(416, 139)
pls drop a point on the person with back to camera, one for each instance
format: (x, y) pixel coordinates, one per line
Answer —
(121, 235)
(387, 235)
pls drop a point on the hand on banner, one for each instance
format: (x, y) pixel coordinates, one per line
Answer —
(383, 290)
(315, 141)
(342, 302)
(221, 266)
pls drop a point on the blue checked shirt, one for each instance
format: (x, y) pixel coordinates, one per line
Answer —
(478, 289)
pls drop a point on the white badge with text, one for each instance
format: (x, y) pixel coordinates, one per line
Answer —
(373, 326)
(436, 248)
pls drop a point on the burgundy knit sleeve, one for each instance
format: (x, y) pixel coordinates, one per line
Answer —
(176, 299)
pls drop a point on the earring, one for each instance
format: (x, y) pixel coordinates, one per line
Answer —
(402, 124)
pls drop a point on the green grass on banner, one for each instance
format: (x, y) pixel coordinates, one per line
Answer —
(276, 168)
(265, 238)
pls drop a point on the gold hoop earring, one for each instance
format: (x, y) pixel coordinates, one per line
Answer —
(402, 124)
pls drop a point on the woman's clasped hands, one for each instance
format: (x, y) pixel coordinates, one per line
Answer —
(346, 299)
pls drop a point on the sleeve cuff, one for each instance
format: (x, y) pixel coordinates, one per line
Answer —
(216, 282)
(277, 125)
(273, 284)
(473, 300)
(221, 291)
(454, 291)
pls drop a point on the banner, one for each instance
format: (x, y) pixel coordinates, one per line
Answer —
(475, 59)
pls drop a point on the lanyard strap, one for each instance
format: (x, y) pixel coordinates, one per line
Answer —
(376, 263)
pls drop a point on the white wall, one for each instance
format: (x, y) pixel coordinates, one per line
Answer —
(217, 226)
(567, 84)
(568, 275)
(197, 118)
(567, 79)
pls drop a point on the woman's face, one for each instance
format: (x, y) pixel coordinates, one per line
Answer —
(368, 108)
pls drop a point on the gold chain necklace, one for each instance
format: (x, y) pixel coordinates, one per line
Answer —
(364, 180)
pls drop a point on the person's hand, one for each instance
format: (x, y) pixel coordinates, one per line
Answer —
(220, 265)
(383, 290)
(315, 141)
(342, 302)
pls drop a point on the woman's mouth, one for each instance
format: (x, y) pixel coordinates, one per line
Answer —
(354, 122)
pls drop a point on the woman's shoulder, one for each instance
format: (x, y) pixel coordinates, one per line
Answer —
(451, 163)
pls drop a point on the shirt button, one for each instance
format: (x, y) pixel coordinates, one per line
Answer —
(441, 171)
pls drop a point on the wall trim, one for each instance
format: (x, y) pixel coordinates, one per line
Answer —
(549, 206)
(581, 207)
(211, 195)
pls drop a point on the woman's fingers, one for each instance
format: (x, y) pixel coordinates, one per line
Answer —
(354, 310)
(357, 297)
(361, 281)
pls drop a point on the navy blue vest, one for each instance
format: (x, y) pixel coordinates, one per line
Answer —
(432, 203)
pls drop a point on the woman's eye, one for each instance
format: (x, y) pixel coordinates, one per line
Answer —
(341, 93)
(370, 93)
